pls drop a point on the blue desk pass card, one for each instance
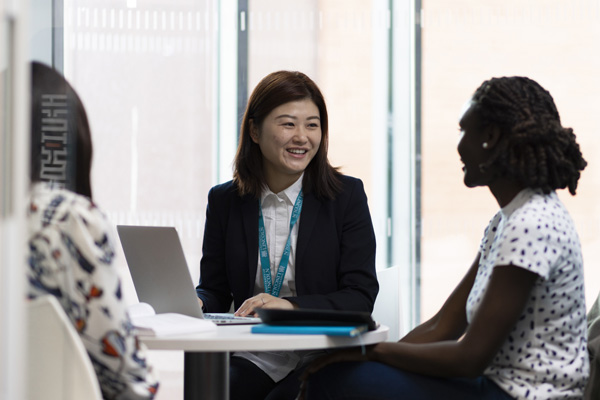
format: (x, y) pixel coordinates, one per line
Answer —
(310, 330)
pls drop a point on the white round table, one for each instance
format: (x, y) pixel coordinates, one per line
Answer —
(206, 359)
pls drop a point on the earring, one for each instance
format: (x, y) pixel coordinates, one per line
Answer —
(485, 145)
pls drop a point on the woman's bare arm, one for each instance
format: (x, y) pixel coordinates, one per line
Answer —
(502, 305)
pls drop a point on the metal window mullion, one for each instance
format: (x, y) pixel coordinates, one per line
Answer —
(58, 45)
(405, 169)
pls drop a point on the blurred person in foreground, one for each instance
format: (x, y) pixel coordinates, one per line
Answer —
(71, 243)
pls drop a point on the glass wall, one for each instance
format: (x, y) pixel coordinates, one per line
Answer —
(165, 81)
(165, 84)
(147, 74)
(465, 42)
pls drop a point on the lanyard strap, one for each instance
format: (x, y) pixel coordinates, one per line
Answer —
(265, 263)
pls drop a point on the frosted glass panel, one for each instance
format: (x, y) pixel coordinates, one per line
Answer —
(146, 72)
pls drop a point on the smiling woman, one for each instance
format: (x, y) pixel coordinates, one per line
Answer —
(289, 231)
(284, 89)
(473, 147)
(522, 298)
(288, 138)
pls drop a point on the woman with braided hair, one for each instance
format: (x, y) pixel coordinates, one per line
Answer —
(515, 326)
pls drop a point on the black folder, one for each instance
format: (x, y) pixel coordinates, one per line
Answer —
(311, 317)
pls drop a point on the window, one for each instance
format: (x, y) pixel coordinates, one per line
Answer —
(165, 84)
(552, 42)
(165, 81)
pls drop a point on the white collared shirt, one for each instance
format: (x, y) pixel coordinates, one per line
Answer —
(277, 212)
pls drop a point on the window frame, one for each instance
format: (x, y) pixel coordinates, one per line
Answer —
(395, 128)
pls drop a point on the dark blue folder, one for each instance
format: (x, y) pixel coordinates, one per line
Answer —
(310, 321)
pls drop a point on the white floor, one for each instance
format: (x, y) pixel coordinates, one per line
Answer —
(169, 368)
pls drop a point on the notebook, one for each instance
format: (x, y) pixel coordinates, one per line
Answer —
(161, 276)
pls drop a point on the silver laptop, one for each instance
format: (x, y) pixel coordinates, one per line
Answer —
(161, 276)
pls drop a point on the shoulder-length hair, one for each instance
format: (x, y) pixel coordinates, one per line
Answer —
(278, 88)
(61, 143)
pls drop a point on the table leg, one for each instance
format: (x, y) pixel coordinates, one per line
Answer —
(206, 376)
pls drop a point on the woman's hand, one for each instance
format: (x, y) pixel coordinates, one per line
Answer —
(262, 300)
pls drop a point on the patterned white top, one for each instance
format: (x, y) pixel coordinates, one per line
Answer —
(545, 355)
(71, 253)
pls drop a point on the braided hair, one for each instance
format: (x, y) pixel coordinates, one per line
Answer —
(535, 149)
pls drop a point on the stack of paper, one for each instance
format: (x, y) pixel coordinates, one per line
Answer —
(147, 323)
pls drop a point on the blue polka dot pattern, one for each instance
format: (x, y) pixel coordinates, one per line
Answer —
(545, 355)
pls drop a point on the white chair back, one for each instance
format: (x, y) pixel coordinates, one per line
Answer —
(58, 366)
(387, 304)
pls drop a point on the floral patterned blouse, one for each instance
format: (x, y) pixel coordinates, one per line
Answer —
(71, 253)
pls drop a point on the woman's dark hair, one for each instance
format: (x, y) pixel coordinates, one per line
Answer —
(534, 148)
(275, 89)
(61, 143)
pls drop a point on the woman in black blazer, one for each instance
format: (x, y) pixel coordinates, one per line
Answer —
(285, 202)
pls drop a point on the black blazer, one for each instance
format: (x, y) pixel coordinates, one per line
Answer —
(335, 251)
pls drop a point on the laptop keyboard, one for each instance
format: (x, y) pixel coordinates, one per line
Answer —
(225, 318)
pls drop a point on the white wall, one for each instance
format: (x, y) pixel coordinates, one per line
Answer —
(387, 305)
(14, 143)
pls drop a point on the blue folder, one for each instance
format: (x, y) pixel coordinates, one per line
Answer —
(310, 330)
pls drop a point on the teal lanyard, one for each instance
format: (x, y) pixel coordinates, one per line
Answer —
(265, 263)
